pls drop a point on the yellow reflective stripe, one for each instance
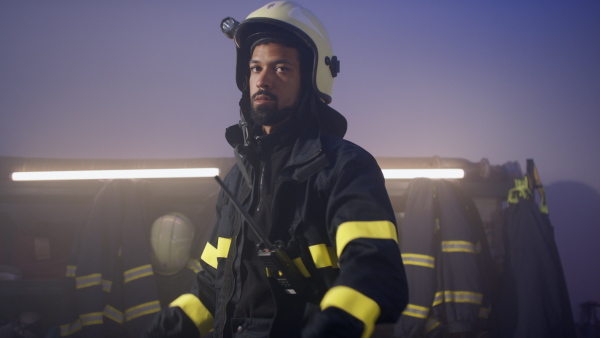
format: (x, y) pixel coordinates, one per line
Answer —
(91, 318)
(417, 311)
(223, 247)
(106, 285)
(142, 309)
(431, 323)
(349, 231)
(68, 329)
(461, 246)
(71, 269)
(88, 280)
(355, 303)
(420, 260)
(484, 312)
(210, 253)
(136, 273)
(196, 311)
(458, 297)
(194, 265)
(301, 267)
(320, 255)
(113, 313)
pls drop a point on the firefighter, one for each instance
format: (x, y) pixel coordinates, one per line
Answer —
(322, 198)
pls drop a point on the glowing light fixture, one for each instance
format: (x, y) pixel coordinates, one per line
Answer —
(113, 174)
(405, 174)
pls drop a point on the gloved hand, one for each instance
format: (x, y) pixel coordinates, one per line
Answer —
(171, 322)
(332, 323)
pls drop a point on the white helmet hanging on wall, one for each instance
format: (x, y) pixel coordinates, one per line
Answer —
(290, 17)
(171, 238)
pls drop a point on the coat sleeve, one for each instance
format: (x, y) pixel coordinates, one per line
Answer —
(192, 314)
(371, 286)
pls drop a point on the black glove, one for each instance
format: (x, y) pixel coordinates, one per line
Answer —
(171, 322)
(333, 323)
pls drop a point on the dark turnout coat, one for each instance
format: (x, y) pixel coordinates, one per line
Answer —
(340, 230)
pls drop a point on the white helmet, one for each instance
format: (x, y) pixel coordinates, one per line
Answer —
(171, 238)
(288, 17)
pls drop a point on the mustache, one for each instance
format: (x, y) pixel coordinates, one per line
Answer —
(263, 92)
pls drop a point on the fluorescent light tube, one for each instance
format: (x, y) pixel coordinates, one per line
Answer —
(113, 174)
(428, 173)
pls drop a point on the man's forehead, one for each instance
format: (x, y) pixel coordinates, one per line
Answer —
(273, 52)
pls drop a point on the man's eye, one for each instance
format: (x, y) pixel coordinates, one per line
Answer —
(281, 69)
(255, 69)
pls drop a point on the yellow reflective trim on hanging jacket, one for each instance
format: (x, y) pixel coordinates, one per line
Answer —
(139, 272)
(354, 303)
(417, 311)
(113, 313)
(419, 260)
(196, 311)
(461, 246)
(457, 297)
(349, 231)
(71, 269)
(88, 280)
(142, 309)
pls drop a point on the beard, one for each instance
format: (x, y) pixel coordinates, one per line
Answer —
(269, 115)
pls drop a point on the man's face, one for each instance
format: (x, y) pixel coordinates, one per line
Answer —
(274, 83)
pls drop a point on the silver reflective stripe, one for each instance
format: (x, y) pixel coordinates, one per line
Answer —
(106, 285)
(91, 318)
(139, 272)
(114, 314)
(458, 297)
(194, 265)
(89, 280)
(71, 269)
(68, 329)
(431, 324)
(416, 311)
(419, 260)
(460, 246)
(142, 309)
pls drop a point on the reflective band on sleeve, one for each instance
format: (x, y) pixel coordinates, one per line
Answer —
(420, 260)
(416, 311)
(87, 281)
(71, 269)
(106, 285)
(431, 324)
(298, 262)
(355, 303)
(461, 246)
(333, 257)
(91, 318)
(194, 265)
(196, 311)
(142, 309)
(68, 329)
(210, 253)
(114, 314)
(139, 272)
(457, 297)
(349, 231)
(484, 312)
(320, 255)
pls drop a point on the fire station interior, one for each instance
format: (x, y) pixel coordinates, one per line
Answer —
(40, 219)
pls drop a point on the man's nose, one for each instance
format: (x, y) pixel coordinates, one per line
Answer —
(264, 79)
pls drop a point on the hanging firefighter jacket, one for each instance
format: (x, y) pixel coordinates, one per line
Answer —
(113, 292)
(447, 260)
(533, 300)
